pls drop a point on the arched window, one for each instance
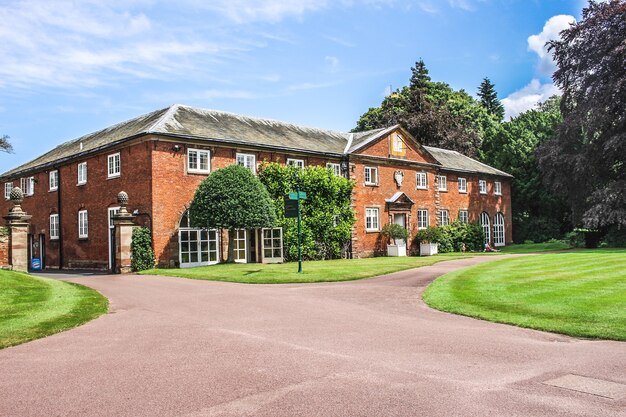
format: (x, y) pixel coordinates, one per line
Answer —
(486, 224)
(196, 246)
(498, 230)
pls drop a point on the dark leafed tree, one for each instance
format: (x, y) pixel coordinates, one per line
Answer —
(489, 99)
(232, 198)
(586, 162)
(5, 145)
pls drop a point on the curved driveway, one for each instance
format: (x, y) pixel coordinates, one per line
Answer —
(172, 346)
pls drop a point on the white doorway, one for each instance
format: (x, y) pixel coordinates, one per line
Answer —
(400, 218)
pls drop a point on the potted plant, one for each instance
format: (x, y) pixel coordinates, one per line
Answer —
(398, 235)
(429, 239)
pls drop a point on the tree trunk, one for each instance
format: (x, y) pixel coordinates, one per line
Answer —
(231, 246)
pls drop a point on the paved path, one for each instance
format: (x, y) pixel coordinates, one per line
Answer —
(174, 346)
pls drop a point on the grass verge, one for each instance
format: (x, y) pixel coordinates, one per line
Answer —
(313, 271)
(580, 293)
(33, 307)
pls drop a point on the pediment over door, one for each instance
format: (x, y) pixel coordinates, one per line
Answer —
(399, 201)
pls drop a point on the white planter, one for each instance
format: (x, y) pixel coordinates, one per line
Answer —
(396, 250)
(428, 249)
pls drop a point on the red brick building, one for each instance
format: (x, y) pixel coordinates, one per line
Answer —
(160, 158)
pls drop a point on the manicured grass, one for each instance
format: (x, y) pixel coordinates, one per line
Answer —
(33, 307)
(313, 271)
(580, 293)
(536, 247)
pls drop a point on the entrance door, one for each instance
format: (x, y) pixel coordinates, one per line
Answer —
(42, 250)
(241, 250)
(400, 218)
(112, 212)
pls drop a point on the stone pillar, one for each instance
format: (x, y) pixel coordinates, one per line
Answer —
(17, 221)
(124, 225)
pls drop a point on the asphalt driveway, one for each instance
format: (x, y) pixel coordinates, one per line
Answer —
(172, 346)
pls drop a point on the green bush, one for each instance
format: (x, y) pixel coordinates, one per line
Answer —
(394, 231)
(453, 237)
(615, 238)
(576, 238)
(142, 256)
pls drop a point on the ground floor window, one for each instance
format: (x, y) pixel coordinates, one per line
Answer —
(198, 247)
(444, 219)
(463, 216)
(498, 230)
(422, 219)
(371, 219)
(240, 247)
(272, 245)
(486, 224)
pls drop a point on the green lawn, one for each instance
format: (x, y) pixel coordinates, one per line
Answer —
(536, 247)
(313, 271)
(33, 307)
(580, 293)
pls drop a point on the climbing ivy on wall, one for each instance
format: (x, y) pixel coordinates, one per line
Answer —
(327, 217)
(142, 256)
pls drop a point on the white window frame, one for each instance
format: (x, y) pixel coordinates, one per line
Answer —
(498, 230)
(53, 180)
(247, 160)
(298, 163)
(54, 226)
(444, 217)
(198, 153)
(83, 224)
(372, 214)
(241, 235)
(464, 216)
(273, 238)
(421, 180)
(81, 179)
(422, 219)
(442, 183)
(8, 187)
(368, 175)
(485, 222)
(28, 186)
(497, 188)
(114, 161)
(334, 167)
(482, 186)
(462, 182)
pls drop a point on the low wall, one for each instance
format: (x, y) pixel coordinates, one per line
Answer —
(4, 248)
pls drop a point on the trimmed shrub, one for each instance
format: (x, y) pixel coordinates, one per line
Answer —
(394, 231)
(452, 237)
(142, 256)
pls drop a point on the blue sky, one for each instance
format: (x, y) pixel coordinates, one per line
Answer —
(68, 68)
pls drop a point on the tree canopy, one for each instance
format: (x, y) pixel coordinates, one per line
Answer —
(232, 198)
(5, 145)
(586, 160)
(489, 99)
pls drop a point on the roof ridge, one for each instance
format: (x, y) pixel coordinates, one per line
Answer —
(170, 111)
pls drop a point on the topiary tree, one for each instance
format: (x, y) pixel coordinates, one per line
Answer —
(394, 232)
(232, 198)
(142, 256)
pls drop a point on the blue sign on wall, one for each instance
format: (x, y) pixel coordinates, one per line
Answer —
(35, 264)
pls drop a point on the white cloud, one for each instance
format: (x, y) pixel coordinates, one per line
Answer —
(528, 97)
(551, 31)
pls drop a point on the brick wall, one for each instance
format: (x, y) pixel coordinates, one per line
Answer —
(4, 248)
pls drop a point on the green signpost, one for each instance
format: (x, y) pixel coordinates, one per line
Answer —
(292, 209)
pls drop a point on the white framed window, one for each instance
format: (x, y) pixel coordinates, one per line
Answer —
(198, 161)
(397, 143)
(422, 180)
(498, 230)
(482, 186)
(272, 245)
(463, 216)
(82, 173)
(241, 248)
(371, 220)
(422, 219)
(8, 186)
(247, 160)
(335, 168)
(53, 180)
(114, 165)
(442, 183)
(462, 185)
(497, 188)
(371, 176)
(486, 224)
(83, 224)
(298, 163)
(54, 226)
(28, 185)
(444, 217)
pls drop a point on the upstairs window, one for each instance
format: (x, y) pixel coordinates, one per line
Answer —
(247, 160)
(114, 165)
(83, 225)
(335, 168)
(82, 173)
(54, 226)
(298, 163)
(497, 188)
(442, 183)
(371, 176)
(422, 180)
(482, 186)
(462, 185)
(198, 161)
(53, 180)
(28, 185)
(8, 186)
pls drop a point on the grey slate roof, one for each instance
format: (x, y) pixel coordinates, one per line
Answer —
(201, 124)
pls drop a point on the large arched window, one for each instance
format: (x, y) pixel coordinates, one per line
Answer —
(196, 246)
(486, 224)
(498, 230)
